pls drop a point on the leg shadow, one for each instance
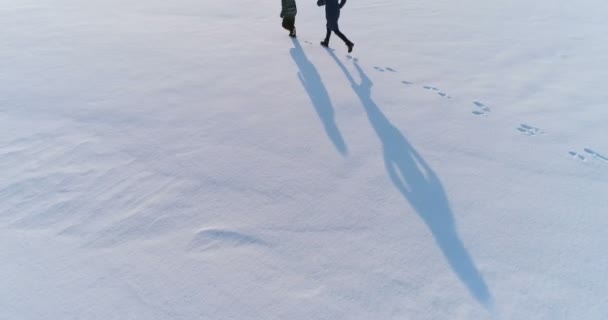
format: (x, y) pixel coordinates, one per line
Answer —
(311, 81)
(419, 184)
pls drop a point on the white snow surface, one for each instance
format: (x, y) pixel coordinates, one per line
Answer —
(188, 160)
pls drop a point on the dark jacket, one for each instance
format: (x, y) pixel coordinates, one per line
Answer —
(332, 8)
(333, 4)
(288, 8)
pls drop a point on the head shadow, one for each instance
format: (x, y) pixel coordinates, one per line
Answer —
(420, 186)
(319, 97)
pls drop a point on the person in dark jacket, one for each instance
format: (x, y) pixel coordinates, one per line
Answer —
(288, 13)
(332, 14)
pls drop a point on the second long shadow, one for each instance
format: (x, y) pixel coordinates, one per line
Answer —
(419, 184)
(311, 81)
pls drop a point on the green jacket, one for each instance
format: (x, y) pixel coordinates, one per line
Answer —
(289, 9)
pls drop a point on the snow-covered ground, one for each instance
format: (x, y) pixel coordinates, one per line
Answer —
(186, 159)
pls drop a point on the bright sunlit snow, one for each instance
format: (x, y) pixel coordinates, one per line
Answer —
(188, 160)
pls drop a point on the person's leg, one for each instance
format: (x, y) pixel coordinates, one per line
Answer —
(325, 42)
(292, 26)
(332, 24)
(348, 43)
(342, 36)
(289, 24)
(285, 24)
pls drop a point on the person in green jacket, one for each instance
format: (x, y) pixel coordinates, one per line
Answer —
(288, 13)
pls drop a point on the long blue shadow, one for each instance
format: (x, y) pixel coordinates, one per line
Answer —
(419, 184)
(311, 81)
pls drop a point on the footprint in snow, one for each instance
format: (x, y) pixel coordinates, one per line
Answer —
(577, 155)
(350, 57)
(481, 106)
(529, 130)
(406, 82)
(480, 109)
(389, 69)
(596, 155)
(439, 93)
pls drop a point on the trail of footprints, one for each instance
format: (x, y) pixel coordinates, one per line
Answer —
(389, 69)
(481, 109)
(436, 90)
(430, 88)
(590, 154)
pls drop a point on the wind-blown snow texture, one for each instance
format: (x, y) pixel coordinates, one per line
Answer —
(188, 160)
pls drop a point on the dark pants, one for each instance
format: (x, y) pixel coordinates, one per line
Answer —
(336, 30)
(332, 25)
(289, 23)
